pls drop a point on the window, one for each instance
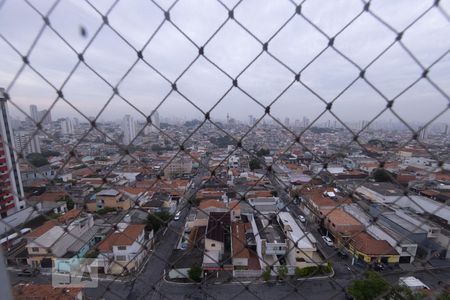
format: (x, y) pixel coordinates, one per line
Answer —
(35, 249)
(121, 257)
(122, 247)
(213, 245)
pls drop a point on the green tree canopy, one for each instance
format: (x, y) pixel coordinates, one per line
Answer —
(266, 274)
(254, 164)
(382, 175)
(195, 273)
(370, 288)
(262, 152)
(37, 159)
(157, 220)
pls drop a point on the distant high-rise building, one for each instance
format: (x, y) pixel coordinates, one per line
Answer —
(297, 123)
(129, 129)
(76, 122)
(34, 113)
(66, 126)
(26, 142)
(287, 122)
(251, 120)
(305, 122)
(423, 133)
(11, 198)
(45, 117)
(446, 129)
(155, 122)
(363, 125)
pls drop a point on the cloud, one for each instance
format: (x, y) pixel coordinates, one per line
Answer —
(231, 49)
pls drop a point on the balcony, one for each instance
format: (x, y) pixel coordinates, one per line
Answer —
(4, 208)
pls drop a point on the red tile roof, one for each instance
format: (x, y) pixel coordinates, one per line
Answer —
(29, 291)
(125, 238)
(365, 243)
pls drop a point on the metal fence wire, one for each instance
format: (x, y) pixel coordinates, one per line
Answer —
(150, 279)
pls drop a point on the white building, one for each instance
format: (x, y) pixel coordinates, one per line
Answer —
(27, 142)
(129, 129)
(125, 248)
(302, 245)
(66, 126)
(34, 114)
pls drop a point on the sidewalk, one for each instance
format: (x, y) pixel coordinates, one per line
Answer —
(258, 280)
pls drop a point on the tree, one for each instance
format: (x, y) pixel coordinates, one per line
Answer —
(266, 274)
(157, 148)
(48, 153)
(262, 152)
(254, 164)
(222, 141)
(405, 293)
(69, 202)
(382, 175)
(195, 273)
(282, 272)
(157, 219)
(37, 159)
(370, 288)
(444, 295)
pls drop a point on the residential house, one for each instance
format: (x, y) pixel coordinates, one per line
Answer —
(217, 241)
(368, 249)
(270, 239)
(341, 225)
(160, 201)
(50, 202)
(124, 250)
(109, 198)
(388, 193)
(70, 236)
(302, 245)
(381, 230)
(433, 240)
(319, 200)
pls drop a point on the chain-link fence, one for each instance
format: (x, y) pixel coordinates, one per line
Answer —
(215, 207)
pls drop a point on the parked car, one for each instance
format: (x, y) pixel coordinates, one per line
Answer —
(327, 241)
(342, 253)
(28, 272)
(302, 218)
(177, 216)
(378, 267)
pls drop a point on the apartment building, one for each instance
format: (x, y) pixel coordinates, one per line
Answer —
(11, 189)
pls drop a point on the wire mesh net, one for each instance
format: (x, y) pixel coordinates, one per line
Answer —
(238, 225)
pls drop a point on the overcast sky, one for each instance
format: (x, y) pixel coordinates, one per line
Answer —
(232, 49)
